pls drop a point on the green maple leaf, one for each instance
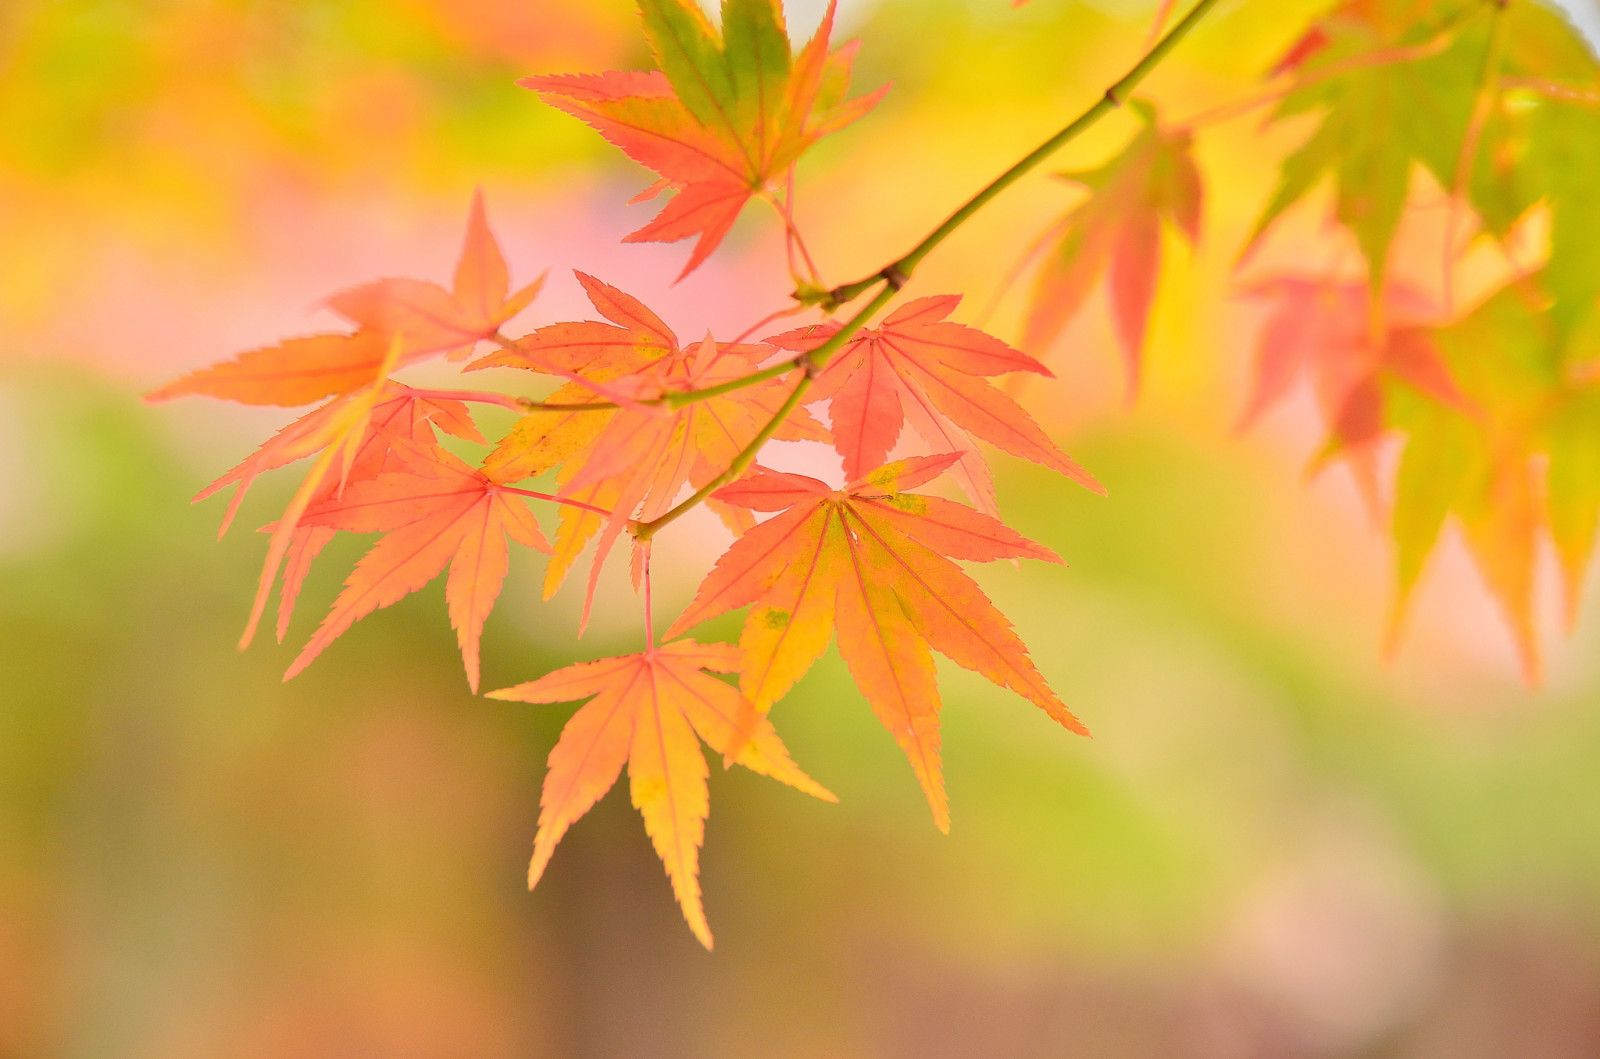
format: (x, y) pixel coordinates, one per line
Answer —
(1378, 121)
(1522, 461)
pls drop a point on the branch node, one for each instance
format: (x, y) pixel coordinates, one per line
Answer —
(894, 277)
(1112, 97)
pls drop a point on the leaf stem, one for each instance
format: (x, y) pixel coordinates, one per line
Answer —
(1482, 101)
(896, 273)
(649, 616)
(1554, 89)
(809, 363)
(515, 404)
(894, 276)
(799, 240)
(529, 405)
(791, 310)
(621, 400)
(1382, 57)
(1159, 23)
(554, 499)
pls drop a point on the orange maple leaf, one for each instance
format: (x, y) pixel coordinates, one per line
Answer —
(634, 461)
(647, 712)
(727, 114)
(402, 321)
(424, 318)
(437, 511)
(398, 411)
(870, 561)
(590, 352)
(920, 366)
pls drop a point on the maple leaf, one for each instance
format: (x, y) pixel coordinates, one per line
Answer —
(1421, 106)
(726, 115)
(1525, 462)
(1117, 232)
(1322, 328)
(590, 351)
(1379, 120)
(422, 318)
(920, 366)
(436, 511)
(635, 461)
(338, 435)
(398, 411)
(1551, 154)
(432, 319)
(647, 711)
(870, 561)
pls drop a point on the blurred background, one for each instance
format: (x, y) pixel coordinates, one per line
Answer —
(1276, 845)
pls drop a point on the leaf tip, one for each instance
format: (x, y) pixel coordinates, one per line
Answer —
(537, 864)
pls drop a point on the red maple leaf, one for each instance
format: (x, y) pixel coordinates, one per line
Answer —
(920, 366)
(724, 118)
(1323, 328)
(1117, 232)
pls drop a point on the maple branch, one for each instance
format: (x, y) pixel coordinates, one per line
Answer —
(808, 363)
(895, 274)
(673, 400)
(554, 499)
(893, 277)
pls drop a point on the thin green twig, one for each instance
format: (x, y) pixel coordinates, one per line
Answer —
(894, 275)
(897, 272)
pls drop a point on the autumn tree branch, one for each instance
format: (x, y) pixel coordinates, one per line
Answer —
(894, 275)
(808, 364)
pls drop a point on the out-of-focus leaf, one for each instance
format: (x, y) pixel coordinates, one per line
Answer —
(1117, 233)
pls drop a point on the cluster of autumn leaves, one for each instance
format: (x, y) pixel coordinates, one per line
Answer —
(638, 417)
(1490, 107)
(1487, 403)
